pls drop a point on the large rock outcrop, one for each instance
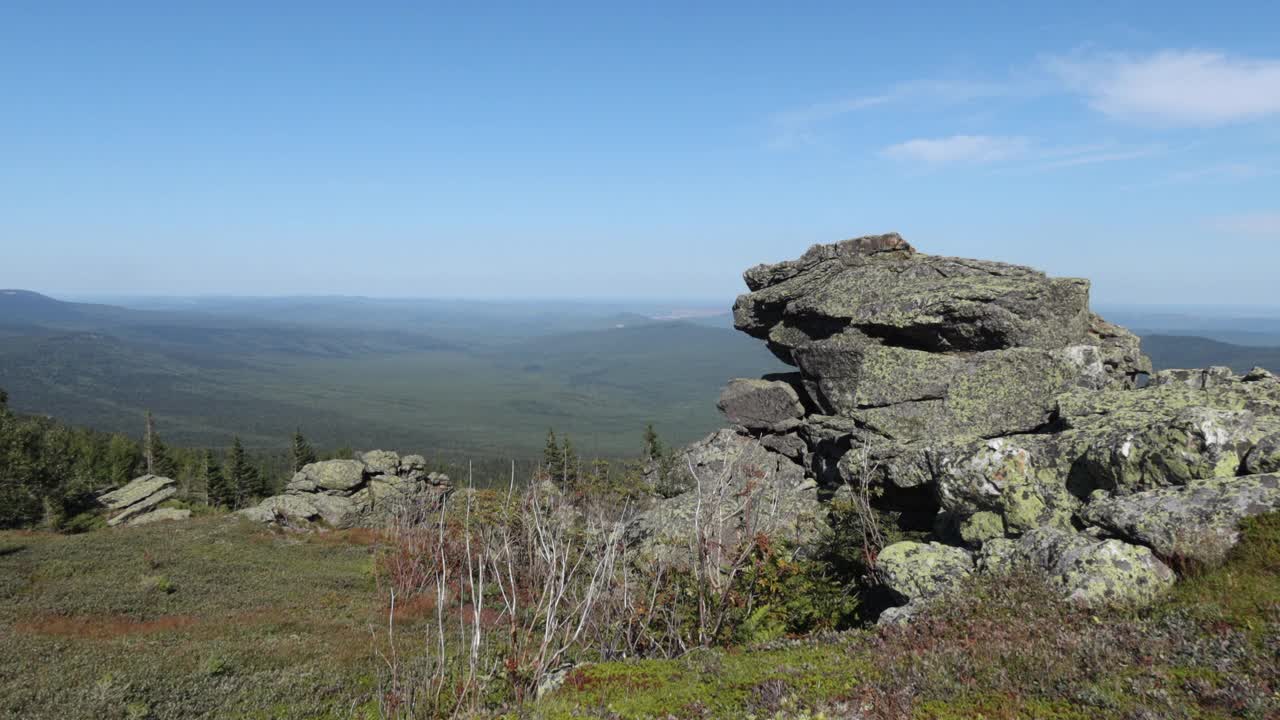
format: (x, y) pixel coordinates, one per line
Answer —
(988, 402)
(347, 493)
(137, 503)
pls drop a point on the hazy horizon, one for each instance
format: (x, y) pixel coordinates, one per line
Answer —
(645, 152)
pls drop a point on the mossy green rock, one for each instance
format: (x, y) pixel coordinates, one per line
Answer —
(915, 571)
(1090, 571)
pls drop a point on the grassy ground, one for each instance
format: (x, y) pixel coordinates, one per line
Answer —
(215, 618)
(1007, 651)
(211, 618)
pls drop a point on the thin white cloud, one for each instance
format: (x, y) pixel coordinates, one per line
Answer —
(1096, 156)
(1187, 87)
(803, 126)
(1260, 224)
(959, 149)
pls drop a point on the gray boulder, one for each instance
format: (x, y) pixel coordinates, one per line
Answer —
(381, 462)
(137, 498)
(342, 476)
(761, 404)
(1199, 521)
(135, 491)
(1089, 571)
(741, 488)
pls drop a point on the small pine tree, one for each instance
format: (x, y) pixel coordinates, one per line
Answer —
(215, 485)
(552, 455)
(149, 444)
(568, 471)
(653, 449)
(242, 477)
(4, 399)
(164, 463)
(303, 453)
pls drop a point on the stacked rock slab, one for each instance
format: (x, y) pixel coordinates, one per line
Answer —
(137, 502)
(348, 493)
(989, 400)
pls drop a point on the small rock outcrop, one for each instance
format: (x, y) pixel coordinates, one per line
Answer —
(999, 420)
(349, 493)
(136, 503)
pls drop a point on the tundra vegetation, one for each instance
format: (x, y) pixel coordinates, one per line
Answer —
(972, 499)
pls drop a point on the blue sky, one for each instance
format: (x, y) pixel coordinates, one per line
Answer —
(640, 150)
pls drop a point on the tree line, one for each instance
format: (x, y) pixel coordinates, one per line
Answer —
(51, 473)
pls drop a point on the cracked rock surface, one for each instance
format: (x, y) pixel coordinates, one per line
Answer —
(998, 418)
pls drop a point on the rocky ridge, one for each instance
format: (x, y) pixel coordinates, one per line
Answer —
(998, 418)
(349, 493)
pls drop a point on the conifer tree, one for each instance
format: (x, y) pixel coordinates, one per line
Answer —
(242, 477)
(552, 455)
(568, 472)
(653, 449)
(303, 453)
(148, 444)
(215, 485)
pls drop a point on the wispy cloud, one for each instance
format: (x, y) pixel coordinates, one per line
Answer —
(1175, 87)
(959, 149)
(803, 126)
(1260, 224)
(1096, 155)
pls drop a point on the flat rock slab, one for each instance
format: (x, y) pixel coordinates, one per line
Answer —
(152, 500)
(137, 490)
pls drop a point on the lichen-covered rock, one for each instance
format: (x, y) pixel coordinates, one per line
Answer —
(1198, 379)
(335, 475)
(789, 445)
(347, 493)
(381, 462)
(290, 508)
(761, 404)
(135, 491)
(981, 527)
(1199, 521)
(1090, 571)
(1002, 476)
(741, 488)
(139, 496)
(915, 571)
(1263, 457)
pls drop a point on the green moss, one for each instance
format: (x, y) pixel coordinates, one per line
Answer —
(806, 675)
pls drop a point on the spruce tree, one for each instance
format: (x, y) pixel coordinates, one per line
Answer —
(242, 477)
(303, 453)
(568, 473)
(215, 485)
(653, 449)
(148, 444)
(552, 455)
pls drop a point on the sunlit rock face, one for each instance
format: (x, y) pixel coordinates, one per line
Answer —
(996, 418)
